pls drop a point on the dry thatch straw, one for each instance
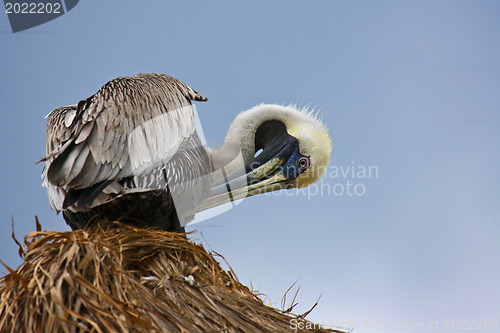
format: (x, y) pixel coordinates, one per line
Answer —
(116, 278)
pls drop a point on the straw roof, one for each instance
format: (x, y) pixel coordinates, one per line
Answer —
(117, 278)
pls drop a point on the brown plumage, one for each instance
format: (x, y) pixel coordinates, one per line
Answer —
(131, 153)
(114, 154)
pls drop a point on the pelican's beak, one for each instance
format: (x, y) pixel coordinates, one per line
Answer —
(273, 169)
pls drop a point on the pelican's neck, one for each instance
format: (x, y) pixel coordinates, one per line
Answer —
(238, 148)
(242, 130)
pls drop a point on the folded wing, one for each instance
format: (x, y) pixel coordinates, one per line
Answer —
(130, 127)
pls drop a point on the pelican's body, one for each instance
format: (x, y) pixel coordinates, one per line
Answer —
(121, 153)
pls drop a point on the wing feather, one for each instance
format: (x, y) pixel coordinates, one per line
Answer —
(129, 127)
(60, 169)
(107, 142)
(84, 133)
(88, 175)
(79, 162)
(84, 175)
(120, 144)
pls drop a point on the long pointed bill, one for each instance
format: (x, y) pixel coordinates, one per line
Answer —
(269, 176)
(256, 182)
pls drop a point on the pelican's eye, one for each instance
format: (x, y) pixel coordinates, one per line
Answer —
(303, 163)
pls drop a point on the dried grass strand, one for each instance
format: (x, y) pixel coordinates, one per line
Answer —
(117, 278)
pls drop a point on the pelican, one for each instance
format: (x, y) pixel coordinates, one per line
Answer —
(131, 153)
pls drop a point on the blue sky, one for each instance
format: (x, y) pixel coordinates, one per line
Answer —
(410, 87)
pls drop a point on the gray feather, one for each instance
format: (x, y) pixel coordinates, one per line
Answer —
(130, 127)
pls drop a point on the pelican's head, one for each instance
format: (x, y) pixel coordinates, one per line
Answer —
(282, 147)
